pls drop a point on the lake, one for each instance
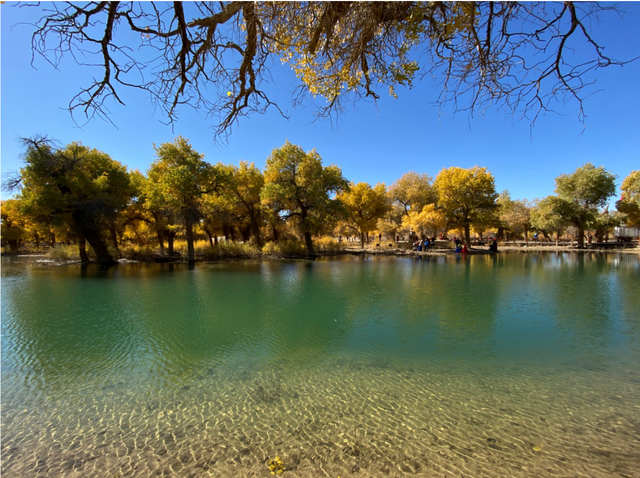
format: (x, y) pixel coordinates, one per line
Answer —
(514, 365)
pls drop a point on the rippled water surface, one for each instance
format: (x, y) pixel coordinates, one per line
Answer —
(512, 366)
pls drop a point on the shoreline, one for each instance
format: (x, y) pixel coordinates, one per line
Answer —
(397, 252)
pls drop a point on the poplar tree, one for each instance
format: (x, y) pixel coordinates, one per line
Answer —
(584, 192)
(302, 189)
(182, 179)
(465, 196)
(365, 205)
(629, 203)
(76, 187)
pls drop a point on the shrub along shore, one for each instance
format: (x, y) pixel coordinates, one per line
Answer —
(292, 249)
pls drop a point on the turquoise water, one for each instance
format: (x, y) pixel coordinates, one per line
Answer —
(515, 365)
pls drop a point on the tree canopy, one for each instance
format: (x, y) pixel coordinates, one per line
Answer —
(551, 215)
(365, 205)
(466, 196)
(526, 57)
(584, 191)
(245, 184)
(77, 186)
(76, 193)
(629, 203)
(13, 222)
(302, 189)
(514, 214)
(182, 178)
(427, 221)
(413, 191)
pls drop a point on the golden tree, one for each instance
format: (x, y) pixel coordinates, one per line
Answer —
(365, 205)
(465, 196)
(429, 220)
(629, 203)
(413, 191)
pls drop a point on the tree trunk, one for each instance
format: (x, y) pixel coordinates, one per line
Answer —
(274, 231)
(307, 234)
(362, 239)
(309, 243)
(170, 238)
(52, 239)
(210, 236)
(160, 242)
(13, 245)
(246, 233)
(114, 237)
(255, 229)
(88, 229)
(94, 238)
(36, 238)
(467, 235)
(215, 240)
(82, 249)
(580, 238)
(188, 225)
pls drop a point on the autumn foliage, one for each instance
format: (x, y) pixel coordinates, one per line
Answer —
(184, 204)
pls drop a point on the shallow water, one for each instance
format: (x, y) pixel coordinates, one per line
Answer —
(516, 365)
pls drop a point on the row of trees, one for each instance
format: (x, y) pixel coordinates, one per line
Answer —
(81, 194)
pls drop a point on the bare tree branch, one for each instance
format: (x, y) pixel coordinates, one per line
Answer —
(216, 57)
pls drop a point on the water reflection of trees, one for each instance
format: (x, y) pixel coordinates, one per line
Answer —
(583, 296)
(584, 293)
(64, 331)
(419, 308)
(166, 322)
(627, 267)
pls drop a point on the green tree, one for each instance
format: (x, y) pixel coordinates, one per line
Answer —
(221, 214)
(182, 179)
(76, 186)
(550, 215)
(365, 205)
(629, 203)
(522, 56)
(299, 186)
(585, 190)
(465, 196)
(604, 223)
(245, 184)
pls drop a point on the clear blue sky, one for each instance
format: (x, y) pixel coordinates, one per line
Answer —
(372, 143)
